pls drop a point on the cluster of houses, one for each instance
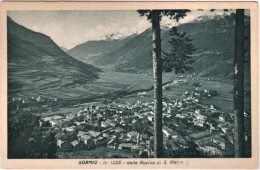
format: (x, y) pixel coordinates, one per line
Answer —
(125, 126)
(130, 126)
(38, 104)
(210, 129)
(113, 126)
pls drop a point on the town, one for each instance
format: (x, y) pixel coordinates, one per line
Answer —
(129, 127)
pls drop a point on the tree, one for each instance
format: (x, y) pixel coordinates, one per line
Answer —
(179, 58)
(239, 84)
(190, 151)
(155, 16)
(239, 60)
(27, 139)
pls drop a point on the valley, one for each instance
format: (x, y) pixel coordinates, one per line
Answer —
(183, 97)
(98, 96)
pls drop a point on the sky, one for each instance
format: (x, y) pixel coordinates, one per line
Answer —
(71, 28)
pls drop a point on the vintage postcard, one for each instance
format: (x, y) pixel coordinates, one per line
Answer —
(129, 85)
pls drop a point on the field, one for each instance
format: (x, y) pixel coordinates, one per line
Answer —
(110, 81)
(127, 90)
(175, 89)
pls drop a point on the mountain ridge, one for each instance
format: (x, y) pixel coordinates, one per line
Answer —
(88, 50)
(212, 36)
(36, 62)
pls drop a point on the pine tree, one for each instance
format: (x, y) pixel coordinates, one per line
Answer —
(179, 58)
(155, 16)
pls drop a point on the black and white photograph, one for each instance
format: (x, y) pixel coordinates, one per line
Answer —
(129, 84)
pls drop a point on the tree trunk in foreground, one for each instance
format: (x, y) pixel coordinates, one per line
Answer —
(239, 84)
(157, 73)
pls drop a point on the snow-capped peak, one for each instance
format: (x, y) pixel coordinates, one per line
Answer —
(115, 36)
(203, 18)
(166, 26)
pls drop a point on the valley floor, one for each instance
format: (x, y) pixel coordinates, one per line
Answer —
(197, 111)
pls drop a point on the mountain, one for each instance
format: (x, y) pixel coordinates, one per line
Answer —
(133, 55)
(89, 51)
(116, 36)
(214, 39)
(213, 36)
(37, 65)
(64, 49)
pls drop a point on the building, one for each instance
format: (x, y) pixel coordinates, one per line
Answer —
(74, 143)
(80, 127)
(200, 135)
(219, 141)
(104, 124)
(198, 122)
(81, 133)
(59, 143)
(111, 143)
(211, 149)
(93, 133)
(222, 118)
(133, 134)
(69, 136)
(150, 118)
(111, 122)
(201, 141)
(226, 130)
(200, 117)
(125, 146)
(169, 133)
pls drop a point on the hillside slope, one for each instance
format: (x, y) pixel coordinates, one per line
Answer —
(212, 36)
(37, 65)
(89, 51)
